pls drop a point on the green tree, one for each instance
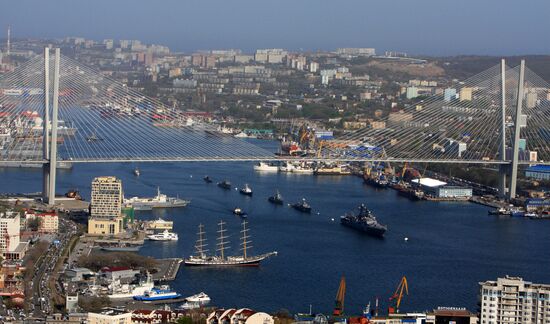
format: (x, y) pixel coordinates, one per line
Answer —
(34, 223)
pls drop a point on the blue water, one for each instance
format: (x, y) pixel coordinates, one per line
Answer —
(451, 246)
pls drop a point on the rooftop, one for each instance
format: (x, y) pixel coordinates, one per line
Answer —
(539, 168)
(429, 182)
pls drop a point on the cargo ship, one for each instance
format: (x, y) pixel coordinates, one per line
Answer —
(221, 260)
(364, 221)
(162, 293)
(160, 201)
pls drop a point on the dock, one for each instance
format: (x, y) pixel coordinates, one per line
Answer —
(168, 269)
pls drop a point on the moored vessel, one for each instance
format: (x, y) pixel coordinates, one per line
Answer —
(263, 166)
(162, 293)
(163, 236)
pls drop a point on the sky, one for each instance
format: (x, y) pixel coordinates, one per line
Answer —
(427, 27)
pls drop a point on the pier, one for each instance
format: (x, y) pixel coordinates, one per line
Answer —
(168, 269)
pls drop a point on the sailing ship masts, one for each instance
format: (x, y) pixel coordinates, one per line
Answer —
(199, 246)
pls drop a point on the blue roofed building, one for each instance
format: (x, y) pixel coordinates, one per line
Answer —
(539, 172)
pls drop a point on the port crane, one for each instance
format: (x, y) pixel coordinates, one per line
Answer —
(398, 295)
(339, 303)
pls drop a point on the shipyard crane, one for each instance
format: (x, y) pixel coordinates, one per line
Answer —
(398, 295)
(339, 304)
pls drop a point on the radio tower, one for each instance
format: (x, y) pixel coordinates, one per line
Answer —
(8, 43)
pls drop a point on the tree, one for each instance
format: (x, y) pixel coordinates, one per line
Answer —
(94, 304)
(34, 223)
(185, 320)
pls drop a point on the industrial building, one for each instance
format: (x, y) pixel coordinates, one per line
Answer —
(440, 189)
(512, 300)
(538, 172)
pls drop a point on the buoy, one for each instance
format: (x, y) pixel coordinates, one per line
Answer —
(332, 219)
(318, 213)
(406, 238)
(191, 176)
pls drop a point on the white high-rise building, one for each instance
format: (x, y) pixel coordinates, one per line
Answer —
(106, 197)
(512, 300)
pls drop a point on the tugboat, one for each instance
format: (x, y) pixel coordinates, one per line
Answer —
(207, 179)
(364, 221)
(302, 206)
(246, 190)
(276, 199)
(222, 260)
(225, 185)
(239, 212)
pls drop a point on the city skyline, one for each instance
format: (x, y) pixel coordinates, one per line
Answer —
(438, 28)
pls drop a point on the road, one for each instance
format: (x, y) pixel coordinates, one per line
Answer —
(44, 270)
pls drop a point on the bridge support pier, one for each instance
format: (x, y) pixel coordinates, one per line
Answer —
(503, 169)
(45, 130)
(518, 123)
(53, 143)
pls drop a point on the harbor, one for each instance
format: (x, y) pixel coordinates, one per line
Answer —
(446, 236)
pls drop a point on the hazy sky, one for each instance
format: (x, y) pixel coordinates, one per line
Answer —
(437, 27)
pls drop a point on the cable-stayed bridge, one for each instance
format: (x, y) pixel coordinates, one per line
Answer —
(54, 110)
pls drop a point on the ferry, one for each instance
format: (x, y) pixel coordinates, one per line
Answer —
(160, 201)
(164, 236)
(263, 166)
(246, 190)
(162, 293)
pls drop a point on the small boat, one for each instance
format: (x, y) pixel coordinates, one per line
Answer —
(207, 179)
(162, 293)
(263, 166)
(302, 206)
(246, 190)
(200, 298)
(136, 172)
(225, 185)
(189, 306)
(276, 199)
(93, 138)
(164, 236)
(239, 212)
(500, 211)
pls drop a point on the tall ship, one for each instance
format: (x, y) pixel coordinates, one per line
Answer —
(201, 258)
(364, 221)
(159, 201)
